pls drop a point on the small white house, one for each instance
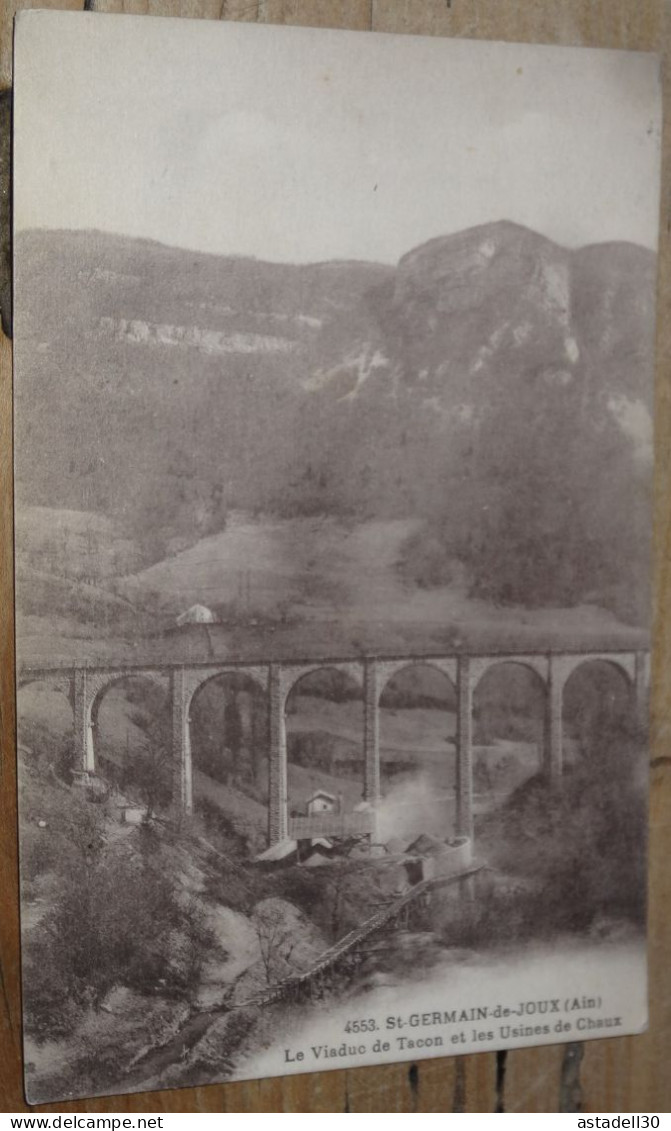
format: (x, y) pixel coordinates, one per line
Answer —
(197, 614)
(132, 815)
(322, 802)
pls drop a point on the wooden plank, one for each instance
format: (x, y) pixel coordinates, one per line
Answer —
(602, 23)
(627, 1074)
(10, 1005)
(532, 1079)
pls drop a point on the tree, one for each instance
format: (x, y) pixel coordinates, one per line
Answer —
(121, 921)
(353, 891)
(149, 770)
(276, 936)
(545, 504)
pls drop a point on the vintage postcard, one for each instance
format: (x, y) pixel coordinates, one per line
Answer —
(333, 417)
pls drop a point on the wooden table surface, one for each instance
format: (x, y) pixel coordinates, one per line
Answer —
(625, 1074)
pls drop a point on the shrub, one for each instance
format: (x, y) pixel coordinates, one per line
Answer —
(120, 921)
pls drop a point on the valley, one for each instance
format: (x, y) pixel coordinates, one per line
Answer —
(250, 463)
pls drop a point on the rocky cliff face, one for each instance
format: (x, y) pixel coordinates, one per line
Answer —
(502, 305)
(496, 297)
(495, 305)
(476, 318)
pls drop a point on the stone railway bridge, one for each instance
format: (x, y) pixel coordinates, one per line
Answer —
(86, 684)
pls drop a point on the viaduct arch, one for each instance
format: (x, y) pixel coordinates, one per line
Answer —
(276, 679)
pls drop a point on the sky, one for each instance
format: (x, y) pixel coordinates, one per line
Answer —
(298, 145)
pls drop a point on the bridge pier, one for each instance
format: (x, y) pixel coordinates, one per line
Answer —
(464, 774)
(553, 746)
(277, 760)
(182, 798)
(83, 726)
(371, 738)
(642, 687)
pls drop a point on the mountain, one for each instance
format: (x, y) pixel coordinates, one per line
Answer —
(492, 382)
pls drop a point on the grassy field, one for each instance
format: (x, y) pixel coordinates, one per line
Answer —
(295, 587)
(313, 568)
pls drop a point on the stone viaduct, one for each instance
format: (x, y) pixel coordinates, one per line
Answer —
(86, 684)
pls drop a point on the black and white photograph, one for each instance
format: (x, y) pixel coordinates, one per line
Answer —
(333, 418)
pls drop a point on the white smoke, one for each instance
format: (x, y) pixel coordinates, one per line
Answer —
(414, 807)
